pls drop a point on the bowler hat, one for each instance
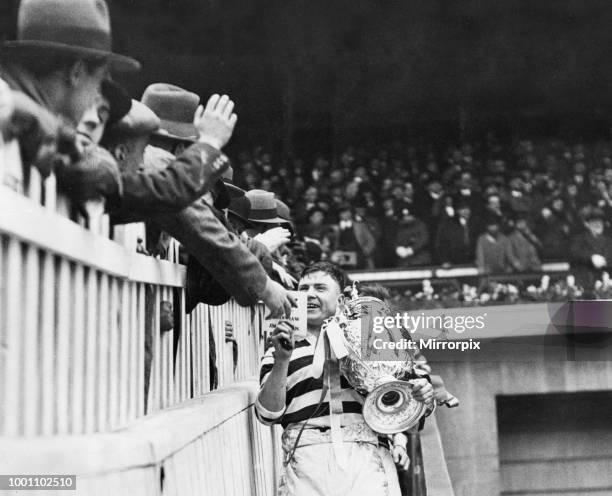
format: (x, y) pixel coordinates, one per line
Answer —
(73, 27)
(175, 108)
(240, 207)
(263, 207)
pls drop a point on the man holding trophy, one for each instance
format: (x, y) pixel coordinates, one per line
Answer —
(316, 385)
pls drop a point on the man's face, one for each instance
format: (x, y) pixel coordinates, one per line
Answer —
(464, 212)
(493, 229)
(84, 92)
(346, 215)
(596, 226)
(322, 293)
(311, 195)
(91, 126)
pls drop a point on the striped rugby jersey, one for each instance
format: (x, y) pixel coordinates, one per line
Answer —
(304, 391)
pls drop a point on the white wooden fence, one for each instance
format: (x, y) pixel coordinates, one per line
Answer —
(75, 309)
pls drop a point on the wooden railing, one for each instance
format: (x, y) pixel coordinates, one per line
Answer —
(76, 309)
(213, 445)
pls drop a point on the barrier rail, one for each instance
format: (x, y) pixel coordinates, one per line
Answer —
(179, 451)
(394, 276)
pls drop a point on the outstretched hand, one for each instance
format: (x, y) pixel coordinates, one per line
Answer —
(215, 122)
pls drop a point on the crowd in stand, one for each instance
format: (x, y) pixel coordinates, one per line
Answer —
(505, 207)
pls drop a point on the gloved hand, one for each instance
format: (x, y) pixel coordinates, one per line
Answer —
(93, 177)
(274, 238)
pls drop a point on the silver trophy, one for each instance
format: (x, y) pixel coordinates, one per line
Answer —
(389, 406)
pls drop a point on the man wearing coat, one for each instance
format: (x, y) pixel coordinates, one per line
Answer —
(57, 70)
(196, 227)
(411, 241)
(591, 251)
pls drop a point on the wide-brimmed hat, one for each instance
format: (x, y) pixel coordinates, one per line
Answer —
(175, 108)
(118, 99)
(240, 207)
(73, 27)
(283, 211)
(263, 207)
(225, 190)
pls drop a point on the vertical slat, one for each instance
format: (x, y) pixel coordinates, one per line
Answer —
(62, 337)
(78, 371)
(164, 356)
(113, 364)
(205, 337)
(194, 327)
(155, 385)
(47, 345)
(124, 351)
(91, 351)
(3, 279)
(50, 187)
(133, 371)
(35, 186)
(30, 359)
(103, 354)
(10, 346)
(140, 352)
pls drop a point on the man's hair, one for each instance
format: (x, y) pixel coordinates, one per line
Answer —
(40, 67)
(335, 272)
(374, 290)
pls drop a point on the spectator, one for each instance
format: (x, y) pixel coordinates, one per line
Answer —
(197, 227)
(411, 241)
(553, 234)
(60, 72)
(590, 251)
(456, 238)
(316, 227)
(388, 222)
(523, 247)
(492, 249)
(354, 236)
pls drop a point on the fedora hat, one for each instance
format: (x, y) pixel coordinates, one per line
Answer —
(73, 27)
(240, 206)
(283, 210)
(175, 108)
(263, 207)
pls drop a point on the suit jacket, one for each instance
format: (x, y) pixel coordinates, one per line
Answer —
(582, 247)
(171, 189)
(455, 244)
(202, 287)
(416, 236)
(220, 251)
